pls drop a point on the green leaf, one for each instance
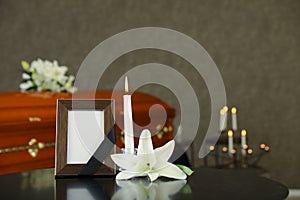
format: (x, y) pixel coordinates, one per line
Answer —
(25, 65)
(188, 171)
(186, 189)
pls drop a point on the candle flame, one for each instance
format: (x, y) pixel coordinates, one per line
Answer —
(230, 133)
(225, 108)
(243, 132)
(222, 112)
(233, 110)
(126, 85)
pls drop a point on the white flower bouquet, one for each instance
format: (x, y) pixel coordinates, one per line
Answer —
(46, 76)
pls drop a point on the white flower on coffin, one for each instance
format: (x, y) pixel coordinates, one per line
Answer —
(49, 71)
(26, 85)
(26, 76)
(139, 189)
(58, 73)
(46, 76)
(148, 162)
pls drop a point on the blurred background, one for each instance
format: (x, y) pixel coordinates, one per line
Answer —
(255, 45)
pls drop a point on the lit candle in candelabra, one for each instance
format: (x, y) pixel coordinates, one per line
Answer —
(128, 122)
(226, 113)
(223, 118)
(243, 142)
(230, 142)
(234, 118)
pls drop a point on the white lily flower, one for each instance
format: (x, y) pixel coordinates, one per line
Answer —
(58, 73)
(36, 65)
(148, 162)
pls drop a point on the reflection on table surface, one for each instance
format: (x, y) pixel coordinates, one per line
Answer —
(139, 188)
(203, 184)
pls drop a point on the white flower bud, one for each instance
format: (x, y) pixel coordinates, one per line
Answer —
(25, 76)
(145, 143)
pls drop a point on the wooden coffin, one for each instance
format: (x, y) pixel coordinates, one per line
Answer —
(27, 125)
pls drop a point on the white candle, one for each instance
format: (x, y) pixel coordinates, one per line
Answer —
(223, 118)
(243, 142)
(230, 142)
(234, 118)
(226, 113)
(128, 122)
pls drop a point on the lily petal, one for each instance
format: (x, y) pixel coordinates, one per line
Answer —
(125, 161)
(172, 171)
(124, 175)
(153, 176)
(163, 154)
(145, 143)
(166, 150)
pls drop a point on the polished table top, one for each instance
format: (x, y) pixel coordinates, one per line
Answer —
(205, 183)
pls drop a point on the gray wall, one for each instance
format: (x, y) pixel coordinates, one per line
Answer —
(255, 44)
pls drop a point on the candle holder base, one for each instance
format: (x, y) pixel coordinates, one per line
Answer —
(129, 150)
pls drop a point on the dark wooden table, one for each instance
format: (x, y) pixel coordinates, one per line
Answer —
(203, 184)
